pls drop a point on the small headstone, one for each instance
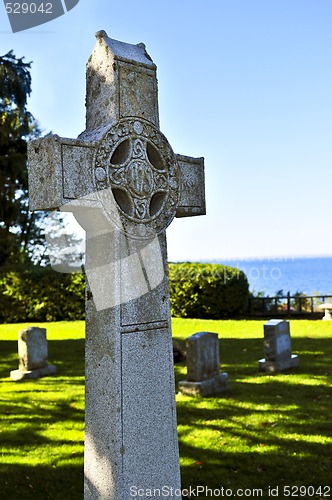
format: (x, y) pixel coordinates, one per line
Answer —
(203, 366)
(33, 354)
(277, 347)
(327, 306)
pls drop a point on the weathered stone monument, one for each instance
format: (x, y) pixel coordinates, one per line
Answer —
(327, 306)
(33, 354)
(203, 366)
(277, 347)
(124, 185)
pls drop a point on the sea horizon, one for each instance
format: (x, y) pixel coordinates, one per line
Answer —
(306, 274)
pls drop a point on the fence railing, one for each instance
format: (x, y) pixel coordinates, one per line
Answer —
(287, 305)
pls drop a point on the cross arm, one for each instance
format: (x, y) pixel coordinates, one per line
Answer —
(192, 190)
(59, 171)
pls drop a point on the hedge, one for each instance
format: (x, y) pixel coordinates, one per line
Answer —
(32, 293)
(209, 291)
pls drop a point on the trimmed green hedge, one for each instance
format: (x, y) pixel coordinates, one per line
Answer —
(31, 293)
(40, 294)
(210, 291)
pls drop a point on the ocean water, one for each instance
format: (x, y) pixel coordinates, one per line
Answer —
(308, 275)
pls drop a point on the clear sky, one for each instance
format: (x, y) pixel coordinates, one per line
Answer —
(245, 83)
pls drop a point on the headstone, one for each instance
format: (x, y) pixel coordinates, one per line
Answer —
(277, 347)
(33, 354)
(203, 366)
(124, 185)
(327, 306)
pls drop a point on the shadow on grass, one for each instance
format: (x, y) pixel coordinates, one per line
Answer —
(265, 458)
(267, 429)
(20, 482)
(66, 355)
(28, 413)
(252, 470)
(26, 432)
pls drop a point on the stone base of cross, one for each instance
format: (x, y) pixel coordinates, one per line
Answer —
(124, 184)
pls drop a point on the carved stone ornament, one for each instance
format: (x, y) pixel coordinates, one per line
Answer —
(136, 163)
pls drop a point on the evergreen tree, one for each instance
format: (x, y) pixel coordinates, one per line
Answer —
(19, 229)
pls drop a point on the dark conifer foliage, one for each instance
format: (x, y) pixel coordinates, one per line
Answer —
(19, 229)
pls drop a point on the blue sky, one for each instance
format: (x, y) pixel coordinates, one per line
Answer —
(245, 83)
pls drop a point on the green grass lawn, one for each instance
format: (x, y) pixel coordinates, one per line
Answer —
(266, 431)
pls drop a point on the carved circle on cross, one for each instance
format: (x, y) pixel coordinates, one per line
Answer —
(136, 163)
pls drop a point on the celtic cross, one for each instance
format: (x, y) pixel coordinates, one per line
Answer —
(124, 184)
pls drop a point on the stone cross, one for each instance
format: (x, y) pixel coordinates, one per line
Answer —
(124, 184)
(203, 366)
(277, 347)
